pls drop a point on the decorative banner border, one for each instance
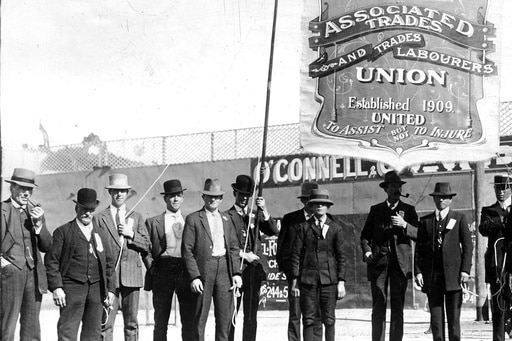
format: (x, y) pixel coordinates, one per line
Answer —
(400, 84)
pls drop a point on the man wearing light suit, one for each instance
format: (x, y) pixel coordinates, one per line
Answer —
(211, 253)
(386, 243)
(129, 241)
(23, 236)
(443, 262)
(166, 269)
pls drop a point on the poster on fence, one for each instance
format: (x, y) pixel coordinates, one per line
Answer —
(402, 82)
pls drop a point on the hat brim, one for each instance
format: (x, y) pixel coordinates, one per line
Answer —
(89, 206)
(21, 183)
(322, 201)
(174, 191)
(213, 193)
(118, 187)
(384, 183)
(433, 194)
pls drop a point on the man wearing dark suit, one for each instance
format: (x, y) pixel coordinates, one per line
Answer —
(23, 235)
(318, 260)
(211, 253)
(285, 245)
(250, 250)
(443, 262)
(166, 269)
(386, 243)
(129, 241)
(492, 224)
(80, 270)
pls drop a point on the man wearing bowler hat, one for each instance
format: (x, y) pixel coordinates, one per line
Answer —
(80, 270)
(285, 245)
(129, 241)
(244, 220)
(492, 225)
(319, 265)
(386, 243)
(443, 262)
(23, 235)
(166, 269)
(212, 259)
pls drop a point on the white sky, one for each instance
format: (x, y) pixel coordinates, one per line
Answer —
(138, 68)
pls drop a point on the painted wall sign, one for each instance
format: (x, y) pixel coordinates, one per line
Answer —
(400, 83)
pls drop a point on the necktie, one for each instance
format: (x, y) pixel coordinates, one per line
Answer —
(118, 218)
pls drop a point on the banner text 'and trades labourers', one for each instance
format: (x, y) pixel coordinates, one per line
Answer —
(399, 83)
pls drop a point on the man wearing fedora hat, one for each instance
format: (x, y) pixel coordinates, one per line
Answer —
(166, 269)
(285, 245)
(319, 265)
(23, 235)
(212, 259)
(386, 243)
(492, 225)
(80, 270)
(442, 262)
(250, 250)
(129, 241)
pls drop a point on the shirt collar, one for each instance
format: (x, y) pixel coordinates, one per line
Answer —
(121, 209)
(16, 205)
(391, 206)
(322, 219)
(443, 213)
(307, 215)
(240, 210)
(82, 226)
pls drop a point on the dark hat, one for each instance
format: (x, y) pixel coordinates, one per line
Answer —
(118, 181)
(86, 198)
(213, 187)
(243, 184)
(502, 180)
(306, 188)
(319, 195)
(172, 186)
(389, 177)
(443, 189)
(22, 177)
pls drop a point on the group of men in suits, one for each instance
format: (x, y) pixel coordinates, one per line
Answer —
(95, 261)
(442, 259)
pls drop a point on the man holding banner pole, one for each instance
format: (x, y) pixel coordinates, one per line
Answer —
(250, 250)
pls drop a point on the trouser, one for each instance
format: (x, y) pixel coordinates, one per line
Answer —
(312, 297)
(217, 284)
(169, 278)
(500, 293)
(84, 304)
(130, 308)
(397, 282)
(295, 316)
(20, 298)
(439, 299)
(251, 278)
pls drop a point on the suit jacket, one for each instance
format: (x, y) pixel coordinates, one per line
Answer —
(65, 239)
(267, 227)
(197, 245)
(491, 226)
(43, 242)
(156, 230)
(129, 271)
(305, 257)
(457, 250)
(375, 237)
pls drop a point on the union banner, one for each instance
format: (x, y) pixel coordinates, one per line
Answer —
(404, 82)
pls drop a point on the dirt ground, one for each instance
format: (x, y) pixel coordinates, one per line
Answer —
(351, 324)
